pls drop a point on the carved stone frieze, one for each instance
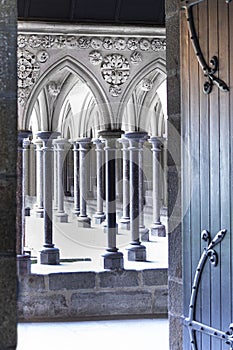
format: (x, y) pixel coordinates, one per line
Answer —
(136, 57)
(36, 49)
(28, 70)
(86, 42)
(95, 57)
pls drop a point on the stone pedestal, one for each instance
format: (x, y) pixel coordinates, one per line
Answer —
(99, 216)
(84, 147)
(125, 220)
(157, 228)
(60, 144)
(136, 251)
(49, 255)
(113, 259)
(23, 264)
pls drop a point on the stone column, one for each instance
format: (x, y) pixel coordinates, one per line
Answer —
(76, 209)
(125, 220)
(49, 255)
(60, 144)
(136, 251)
(84, 147)
(99, 215)
(144, 231)
(23, 259)
(55, 178)
(39, 178)
(157, 228)
(113, 259)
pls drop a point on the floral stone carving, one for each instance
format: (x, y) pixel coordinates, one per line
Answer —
(115, 69)
(95, 57)
(28, 69)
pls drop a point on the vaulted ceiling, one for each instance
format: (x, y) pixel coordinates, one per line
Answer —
(132, 12)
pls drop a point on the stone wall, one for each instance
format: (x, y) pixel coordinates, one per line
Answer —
(8, 151)
(174, 173)
(83, 295)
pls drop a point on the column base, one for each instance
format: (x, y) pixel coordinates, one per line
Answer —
(84, 222)
(39, 212)
(125, 223)
(144, 234)
(158, 230)
(137, 253)
(50, 256)
(99, 218)
(113, 261)
(61, 217)
(23, 264)
(75, 212)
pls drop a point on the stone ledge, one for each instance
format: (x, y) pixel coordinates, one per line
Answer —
(80, 295)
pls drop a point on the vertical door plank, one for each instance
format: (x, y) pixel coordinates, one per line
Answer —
(214, 173)
(204, 169)
(225, 169)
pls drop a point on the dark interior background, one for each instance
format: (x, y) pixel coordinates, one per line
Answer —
(141, 12)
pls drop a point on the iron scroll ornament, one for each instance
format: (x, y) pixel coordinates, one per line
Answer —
(208, 70)
(194, 326)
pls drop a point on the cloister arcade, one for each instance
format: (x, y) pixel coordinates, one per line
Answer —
(92, 124)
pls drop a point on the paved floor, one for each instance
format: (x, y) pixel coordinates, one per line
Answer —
(149, 334)
(88, 245)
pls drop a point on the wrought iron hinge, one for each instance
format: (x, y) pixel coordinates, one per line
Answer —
(208, 70)
(194, 326)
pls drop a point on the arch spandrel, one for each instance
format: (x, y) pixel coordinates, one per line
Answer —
(111, 65)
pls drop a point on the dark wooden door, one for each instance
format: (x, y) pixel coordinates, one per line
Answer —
(207, 136)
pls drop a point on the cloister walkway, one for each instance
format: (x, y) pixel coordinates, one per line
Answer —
(81, 249)
(137, 334)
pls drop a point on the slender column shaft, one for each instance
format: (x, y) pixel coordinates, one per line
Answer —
(21, 159)
(55, 178)
(39, 178)
(157, 228)
(136, 252)
(76, 209)
(60, 143)
(144, 232)
(50, 255)
(125, 177)
(99, 215)
(84, 147)
(113, 259)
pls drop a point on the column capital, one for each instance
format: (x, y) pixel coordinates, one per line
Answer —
(136, 139)
(110, 134)
(37, 142)
(124, 141)
(156, 142)
(22, 135)
(84, 143)
(99, 143)
(47, 136)
(136, 135)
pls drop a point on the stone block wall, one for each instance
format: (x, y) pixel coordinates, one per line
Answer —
(85, 295)
(174, 173)
(8, 152)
